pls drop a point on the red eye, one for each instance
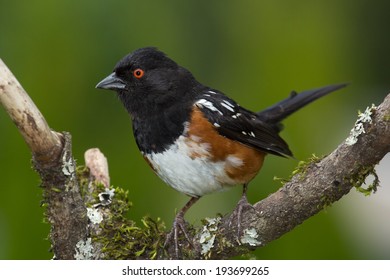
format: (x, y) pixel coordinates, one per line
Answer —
(138, 73)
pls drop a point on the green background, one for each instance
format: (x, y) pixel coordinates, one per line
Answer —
(254, 51)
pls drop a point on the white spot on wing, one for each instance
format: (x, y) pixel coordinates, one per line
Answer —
(236, 115)
(227, 107)
(250, 133)
(212, 92)
(228, 103)
(207, 104)
(217, 124)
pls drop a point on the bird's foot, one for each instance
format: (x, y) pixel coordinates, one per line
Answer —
(236, 216)
(179, 224)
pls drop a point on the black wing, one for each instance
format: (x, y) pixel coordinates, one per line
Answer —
(240, 124)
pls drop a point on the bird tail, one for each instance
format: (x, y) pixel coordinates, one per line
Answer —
(281, 110)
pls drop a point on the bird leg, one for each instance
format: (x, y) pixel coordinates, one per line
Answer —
(179, 224)
(237, 213)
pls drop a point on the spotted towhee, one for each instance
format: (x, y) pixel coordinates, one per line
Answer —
(195, 138)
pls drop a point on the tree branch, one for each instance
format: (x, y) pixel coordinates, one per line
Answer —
(319, 183)
(87, 217)
(52, 158)
(44, 143)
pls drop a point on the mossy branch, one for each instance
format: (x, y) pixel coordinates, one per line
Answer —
(87, 216)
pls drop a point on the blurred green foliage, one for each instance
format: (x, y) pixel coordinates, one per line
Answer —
(254, 51)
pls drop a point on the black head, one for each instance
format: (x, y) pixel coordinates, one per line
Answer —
(147, 80)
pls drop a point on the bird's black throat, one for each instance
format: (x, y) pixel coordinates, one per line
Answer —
(157, 133)
(156, 127)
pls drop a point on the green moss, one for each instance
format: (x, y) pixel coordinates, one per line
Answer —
(122, 238)
(325, 202)
(301, 169)
(386, 118)
(54, 189)
(82, 173)
(358, 179)
(118, 237)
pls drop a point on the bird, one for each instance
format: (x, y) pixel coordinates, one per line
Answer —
(194, 137)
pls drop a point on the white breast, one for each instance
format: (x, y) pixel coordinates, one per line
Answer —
(186, 167)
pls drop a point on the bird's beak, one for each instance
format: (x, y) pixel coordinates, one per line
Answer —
(111, 82)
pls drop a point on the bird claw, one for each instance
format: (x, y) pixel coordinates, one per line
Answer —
(237, 214)
(179, 224)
